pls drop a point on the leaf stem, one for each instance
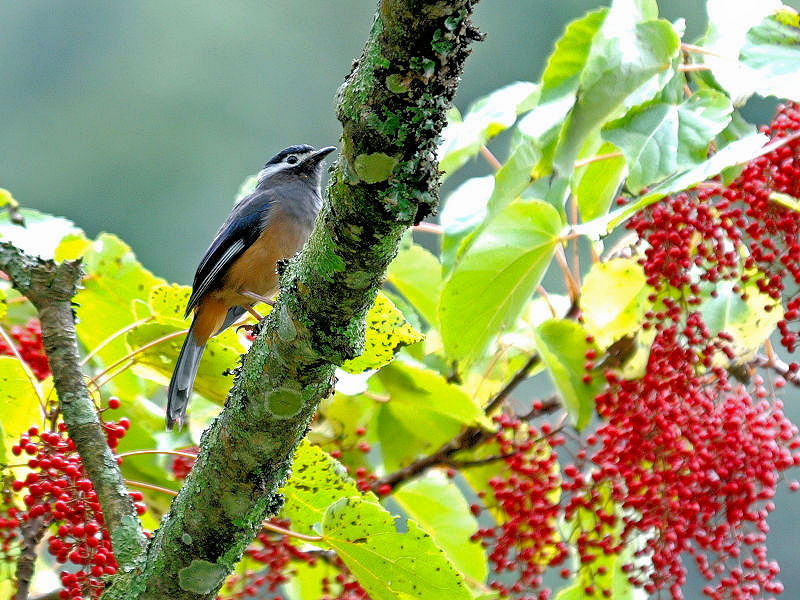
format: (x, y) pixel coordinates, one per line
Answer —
(114, 336)
(491, 158)
(593, 159)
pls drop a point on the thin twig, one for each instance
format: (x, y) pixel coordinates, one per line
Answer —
(139, 350)
(592, 159)
(702, 50)
(170, 452)
(490, 158)
(693, 67)
(149, 486)
(778, 366)
(114, 336)
(428, 227)
(290, 533)
(573, 287)
(32, 533)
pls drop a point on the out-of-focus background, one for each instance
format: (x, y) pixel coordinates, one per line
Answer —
(143, 118)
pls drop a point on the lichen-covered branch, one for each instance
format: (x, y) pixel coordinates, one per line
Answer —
(392, 108)
(51, 287)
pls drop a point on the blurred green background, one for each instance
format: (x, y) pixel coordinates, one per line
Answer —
(142, 118)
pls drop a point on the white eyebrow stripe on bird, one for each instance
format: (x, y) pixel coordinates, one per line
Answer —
(234, 249)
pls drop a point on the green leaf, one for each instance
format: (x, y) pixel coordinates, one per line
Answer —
(439, 507)
(3, 305)
(389, 564)
(746, 321)
(72, 246)
(317, 481)
(40, 236)
(786, 200)
(738, 152)
(661, 139)
(772, 52)
(168, 303)
(488, 116)
(613, 300)
(752, 49)
(157, 362)
(598, 182)
(515, 175)
(562, 345)
(622, 59)
(494, 279)
(464, 212)
(19, 403)
(560, 82)
(417, 274)
(114, 279)
(387, 332)
(424, 390)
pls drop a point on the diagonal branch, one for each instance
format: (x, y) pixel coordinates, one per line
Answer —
(51, 287)
(392, 108)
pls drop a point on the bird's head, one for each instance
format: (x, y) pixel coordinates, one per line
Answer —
(301, 161)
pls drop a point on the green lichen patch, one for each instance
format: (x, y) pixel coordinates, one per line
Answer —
(284, 403)
(201, 577)
(375, 167)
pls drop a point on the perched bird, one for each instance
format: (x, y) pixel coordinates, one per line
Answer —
(239, 267)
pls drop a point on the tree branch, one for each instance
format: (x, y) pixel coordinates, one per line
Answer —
(51, 287)
(32, 532)
(392, 108)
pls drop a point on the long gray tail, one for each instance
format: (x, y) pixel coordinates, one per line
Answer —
(180, 386)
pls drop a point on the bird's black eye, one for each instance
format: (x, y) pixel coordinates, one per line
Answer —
(291, 159)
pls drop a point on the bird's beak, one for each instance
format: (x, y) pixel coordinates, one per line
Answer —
(318, 155)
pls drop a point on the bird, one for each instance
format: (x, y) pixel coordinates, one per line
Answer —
(240, 266)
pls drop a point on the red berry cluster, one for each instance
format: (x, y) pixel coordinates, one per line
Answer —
(754, 204)
(57, 491)
(29, 345)
(526, 540)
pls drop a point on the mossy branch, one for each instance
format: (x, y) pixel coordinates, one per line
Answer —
(50, 287)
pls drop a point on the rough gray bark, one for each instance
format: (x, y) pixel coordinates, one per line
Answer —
(50, 287)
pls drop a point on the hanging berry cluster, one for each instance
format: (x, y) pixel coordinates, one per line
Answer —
(57, 491)
(29, 345)
(687, 459)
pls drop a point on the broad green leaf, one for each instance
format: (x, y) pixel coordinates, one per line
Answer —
(562, 346)
(6, 199)
(613, 300)
(661, 139)
(464, 212)
(735, 153)
(622, 59)
(772, 53)
(3, 305)
(560, 82)
(729, 22)
(494, 279)
(417, 274)
(168, 303)
(114, 279)
(598, 183)
(72, 246)
(421, 411)
(439, 507)
(425, 390)
(389, 564)
(40, 236)
(19, 403)
(317, 481)
(157, 362)
(746, 321)
(488, 116)
(786, 200)
(515, 175)
(387, 332)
